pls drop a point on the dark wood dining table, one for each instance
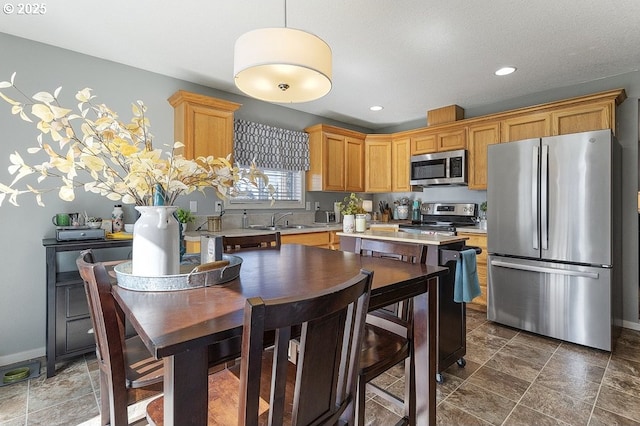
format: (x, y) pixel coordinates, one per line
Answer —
(179, 326)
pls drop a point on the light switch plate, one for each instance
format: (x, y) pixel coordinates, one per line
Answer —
(193, 206)
(308, 205)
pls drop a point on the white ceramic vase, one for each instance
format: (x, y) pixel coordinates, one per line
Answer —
(349, 223)
(156, 242)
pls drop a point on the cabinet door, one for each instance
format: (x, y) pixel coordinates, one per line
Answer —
(480, 137)
(308, 239)
(333, 163)
(354, 164)
(526, 127)
(582, 118)
(423, 144)
(450, 141)
(400, 157)
(211, 132)
(377, 160)
(203, 124)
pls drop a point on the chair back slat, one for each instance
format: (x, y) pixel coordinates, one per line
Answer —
(410, 253)
(332, 323)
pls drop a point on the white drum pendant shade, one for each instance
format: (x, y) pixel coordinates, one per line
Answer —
(282, 65)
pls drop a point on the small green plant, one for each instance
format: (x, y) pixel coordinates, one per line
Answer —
(184, 216)
(483, 207)
(351, 204)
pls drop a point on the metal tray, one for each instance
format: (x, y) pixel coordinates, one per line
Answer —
(189, 277)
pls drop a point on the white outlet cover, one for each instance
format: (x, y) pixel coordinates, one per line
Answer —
(193, 206)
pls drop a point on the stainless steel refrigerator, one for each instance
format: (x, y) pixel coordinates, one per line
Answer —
(552, 217)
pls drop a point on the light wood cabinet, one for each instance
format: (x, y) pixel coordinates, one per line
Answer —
(452, 139)
(423, 144)
(448, 139)
(479, 240)
(354, 164)
(336, 158)
(377, 163)
(582, 118)
(321, 239)
(400, 157)
(526, 127)
(203, 124)
(480, 137)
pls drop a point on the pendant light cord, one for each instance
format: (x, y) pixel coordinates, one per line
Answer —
(285, 13)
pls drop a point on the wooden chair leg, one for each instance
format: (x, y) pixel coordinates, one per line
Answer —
(105, 401)
(361, 396)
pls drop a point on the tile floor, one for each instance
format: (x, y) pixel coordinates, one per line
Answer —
(510, 378)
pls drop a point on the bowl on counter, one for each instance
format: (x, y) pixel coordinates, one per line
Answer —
(94, 225)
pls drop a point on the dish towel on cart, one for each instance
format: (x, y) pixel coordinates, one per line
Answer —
(466, 286)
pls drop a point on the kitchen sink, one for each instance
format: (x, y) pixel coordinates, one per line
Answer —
(279, 227)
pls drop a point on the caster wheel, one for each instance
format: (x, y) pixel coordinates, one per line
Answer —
(439, 378)
(461, 362)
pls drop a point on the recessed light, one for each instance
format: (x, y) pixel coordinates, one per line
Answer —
(505, 71)
(376, 108)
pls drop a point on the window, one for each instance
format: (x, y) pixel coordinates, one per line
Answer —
(289, 186)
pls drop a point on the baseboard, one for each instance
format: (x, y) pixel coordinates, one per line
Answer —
(630, 324)
(22, 356)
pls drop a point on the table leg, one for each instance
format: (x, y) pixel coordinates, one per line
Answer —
(185, 388)
(425, 319)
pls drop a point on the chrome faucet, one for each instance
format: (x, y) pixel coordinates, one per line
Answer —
(275, 217)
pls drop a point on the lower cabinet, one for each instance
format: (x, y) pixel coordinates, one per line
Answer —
(74, 331)
(69, 328)
(479, 240)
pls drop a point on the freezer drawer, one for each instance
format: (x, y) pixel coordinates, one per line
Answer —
(566, 302)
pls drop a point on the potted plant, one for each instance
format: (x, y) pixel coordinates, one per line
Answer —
(350, 207)
(483, 215)
(184, 216)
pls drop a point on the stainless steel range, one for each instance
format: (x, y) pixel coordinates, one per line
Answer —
(443, 218)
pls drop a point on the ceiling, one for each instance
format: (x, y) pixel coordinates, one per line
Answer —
(409, 56)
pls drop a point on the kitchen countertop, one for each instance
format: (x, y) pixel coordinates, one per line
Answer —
(472, 229)
(195, 235)
(405, 237)
(239, 232)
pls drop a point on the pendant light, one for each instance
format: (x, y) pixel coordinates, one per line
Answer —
(282, 65)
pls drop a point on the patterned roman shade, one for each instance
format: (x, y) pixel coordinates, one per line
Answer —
(270, 147)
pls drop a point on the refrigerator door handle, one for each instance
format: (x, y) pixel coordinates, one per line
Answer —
(534, 196)
(544, 198)
(544, 269)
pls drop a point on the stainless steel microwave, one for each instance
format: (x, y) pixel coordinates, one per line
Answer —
(439, 168)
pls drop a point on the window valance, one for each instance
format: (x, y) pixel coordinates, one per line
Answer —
(270, 147)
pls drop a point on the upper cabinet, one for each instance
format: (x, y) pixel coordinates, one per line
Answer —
(378, 163)
(336, 159)
(203, 124)
(582, 118)
(448, 138)
(400, 156)
(481, 135)
(526, 127)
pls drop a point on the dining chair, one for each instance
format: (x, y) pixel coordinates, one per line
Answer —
(128, 372)
(266, 388)
(244, 242)
(388, 334)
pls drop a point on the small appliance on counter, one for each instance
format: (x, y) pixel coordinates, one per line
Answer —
(73, 233)
(325, 216)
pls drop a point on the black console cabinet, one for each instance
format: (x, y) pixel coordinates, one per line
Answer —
(68, 322)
